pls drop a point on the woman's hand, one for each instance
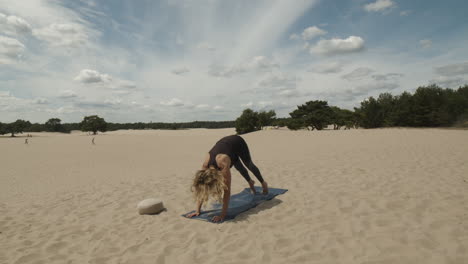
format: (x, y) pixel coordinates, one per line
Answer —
(217, 219)
(190, 215)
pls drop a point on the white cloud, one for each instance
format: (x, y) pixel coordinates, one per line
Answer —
(386, 77)
(362, 91)
(379, 6)
(338, 46)
(172, 102)
(425, 43)
(67, 94)
(10, 50)
(5, 93)
(326, 68)
(294, 36)
(358, 74)
(13, 25)
(289, 93)
(312, 32)
(92, 76)
(206, 46)
(281, 80)
(453, 69)
(248, 105)
(123, 84)
(180, 71)
(261, 63)
(405, 13)
(66, 35)
(265, 104)
(257, 63)
(448, 81)
(218, 107)
(113, 101)
(202, 106)
(41, 101)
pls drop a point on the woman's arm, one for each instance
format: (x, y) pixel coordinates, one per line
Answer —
(197, 212)
(227, 194)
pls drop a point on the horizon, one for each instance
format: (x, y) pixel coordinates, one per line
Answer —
(175, 61)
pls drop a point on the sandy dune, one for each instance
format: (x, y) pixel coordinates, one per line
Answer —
(361, 196)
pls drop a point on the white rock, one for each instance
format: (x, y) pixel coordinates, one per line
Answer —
(150, 206)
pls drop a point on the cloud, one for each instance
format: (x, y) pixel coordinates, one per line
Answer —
(13, 25)
(10, 50)
(405, 12)
(67, 94)
(326, 68)
(386, 77)
(180, 71)
(261, 63)
(379, 6)
(425, 43)
(367, 89)
(202, 106)
(63, 35)
(92, 76)
(281, 80)
(173, 102)
(358, 74)
(312, 32)
(41, 101)
(338, 46)
(289, 93)
(248, 105)
(217, 107)
(453, 69)
(265, 104)
(257, 63)
(448, 81)
(294, 36)
(204, 46)
(259, 105)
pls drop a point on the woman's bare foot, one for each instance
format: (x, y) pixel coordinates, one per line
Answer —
(265, 187)
(252, 187)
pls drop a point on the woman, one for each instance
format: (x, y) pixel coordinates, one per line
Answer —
(214, 179)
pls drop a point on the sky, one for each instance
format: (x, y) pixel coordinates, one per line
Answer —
(188, 60)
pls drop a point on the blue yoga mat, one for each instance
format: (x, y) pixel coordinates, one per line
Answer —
(239, 203)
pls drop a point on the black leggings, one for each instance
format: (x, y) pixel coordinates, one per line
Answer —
(244, 155)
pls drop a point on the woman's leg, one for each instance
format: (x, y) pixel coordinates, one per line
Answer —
(244, 154)
(243, 171)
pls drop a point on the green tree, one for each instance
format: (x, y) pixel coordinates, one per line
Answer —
(247, 122)
(17, 127)
(266, 118)
(387, 107)
(428, 106)
(315, 114)
(93, 123)
(54, 125)
(370, 114)
(294, 124)
(3, 129)
(403, 111)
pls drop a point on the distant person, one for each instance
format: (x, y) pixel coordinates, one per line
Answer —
(214, 179)
(92, 141)
(26, 141)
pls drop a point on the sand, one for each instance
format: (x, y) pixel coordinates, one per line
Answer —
(359, 196)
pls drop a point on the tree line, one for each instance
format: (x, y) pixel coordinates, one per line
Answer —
(95, 123)
(428, 106)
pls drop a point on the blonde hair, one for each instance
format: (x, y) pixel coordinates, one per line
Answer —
(208, 183)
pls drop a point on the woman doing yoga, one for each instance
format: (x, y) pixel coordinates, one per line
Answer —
(214, 179)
